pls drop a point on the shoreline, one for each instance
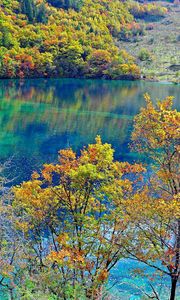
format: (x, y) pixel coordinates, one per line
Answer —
(150, 80)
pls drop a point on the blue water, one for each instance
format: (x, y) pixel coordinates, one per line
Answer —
(38, 117)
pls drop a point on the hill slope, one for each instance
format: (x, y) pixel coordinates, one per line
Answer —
(162, 42)
(81, 38)
(38, 39)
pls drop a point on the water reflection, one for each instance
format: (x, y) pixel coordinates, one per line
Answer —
(39, 117)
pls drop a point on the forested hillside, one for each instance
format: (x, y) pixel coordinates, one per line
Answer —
(64, 38)
(69, 38)
(80, 38)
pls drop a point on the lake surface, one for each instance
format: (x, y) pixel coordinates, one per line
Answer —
(39, 117)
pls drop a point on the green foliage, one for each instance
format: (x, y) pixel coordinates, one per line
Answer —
(70, 39)
(145, 55)
(6, 37)
(77, 201)
(75, 292)
(66, 4)
(66, 228)
(33, 11)
(28, 8)
(156, 133)
(41, 15)
(146, 10)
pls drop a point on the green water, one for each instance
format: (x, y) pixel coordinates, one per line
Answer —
(38, 117)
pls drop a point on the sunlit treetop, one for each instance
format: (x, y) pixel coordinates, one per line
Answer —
(157, 129)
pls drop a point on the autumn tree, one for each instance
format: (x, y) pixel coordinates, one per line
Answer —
(80, 41)
(69, 61)
(155, 210)
(70, 214)
(9, 239)
(6, 39)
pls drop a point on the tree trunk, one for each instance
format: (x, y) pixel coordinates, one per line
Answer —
(175, 275)
(11, 294)
(173, 288)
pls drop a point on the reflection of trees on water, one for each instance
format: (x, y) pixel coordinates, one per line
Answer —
(68, 93)
(65, 92)
(38, 117)
(38, 122)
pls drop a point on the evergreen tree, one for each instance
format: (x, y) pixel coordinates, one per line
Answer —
(66, 4)
(41, 16)
(28, 8)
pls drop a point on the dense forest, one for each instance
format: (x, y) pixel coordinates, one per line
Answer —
(71, 38)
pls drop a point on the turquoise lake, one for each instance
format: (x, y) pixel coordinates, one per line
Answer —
(38, 117)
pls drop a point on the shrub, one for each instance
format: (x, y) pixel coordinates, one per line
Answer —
(145, 55)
